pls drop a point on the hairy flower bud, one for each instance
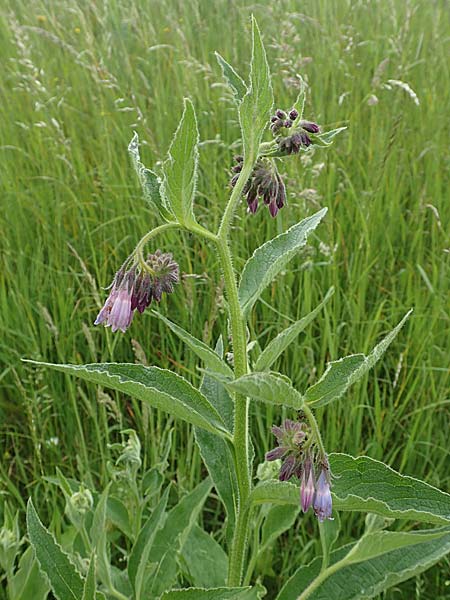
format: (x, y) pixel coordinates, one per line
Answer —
(293, 114)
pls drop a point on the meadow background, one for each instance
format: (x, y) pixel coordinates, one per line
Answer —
(76, 79)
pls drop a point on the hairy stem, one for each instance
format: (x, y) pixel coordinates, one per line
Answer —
(234, 199)
(315, 428)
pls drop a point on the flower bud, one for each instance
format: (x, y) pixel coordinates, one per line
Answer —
(307, 486)
(323, 503)
(293, 114)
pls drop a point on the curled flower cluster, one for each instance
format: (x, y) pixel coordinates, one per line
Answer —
(298, 132)
(295, 450)
(134, 289)
(265, 183)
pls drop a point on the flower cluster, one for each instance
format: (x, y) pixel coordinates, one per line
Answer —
(298, 131)
(295, 449)
(133, 288)
(264, 183)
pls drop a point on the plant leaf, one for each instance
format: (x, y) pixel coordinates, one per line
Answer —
(180, 168)
(213, 594)
(254, 110)
(279, 519)
(324, 140)
(98, 535)
(150, 182)
(279, 344)
(276, 492)
(170, 539)
(157, 387)
(28, 583)
(66, 582)
(267, 387)
(234, 80)
(140, 552)
(368, 578)
(299, 103)
(205, 560)
(269, 259)
(342, 373)
(365, 484)
(90, 584)
(204, 352)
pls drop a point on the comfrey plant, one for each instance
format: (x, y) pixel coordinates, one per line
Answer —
(167, 554)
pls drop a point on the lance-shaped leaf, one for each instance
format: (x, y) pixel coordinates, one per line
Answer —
(299, 104)
(279, 344)
(340, 374)
(267, 387)
(368, 577)
(66, 582)
(365, 484)
(234, 80)
(368, 485)
(204, 560)
(149, 181)
(323, 140)
(269, 259)
(180, 168)
(254, 110)
(204, 352)
(98, 535)
(157, 387)
(241, 593)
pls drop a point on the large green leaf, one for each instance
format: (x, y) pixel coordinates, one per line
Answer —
(216, 452)
(28, 583)
(279, 519)
(170, 540)
(157, 387)
(204, 560)
(269, 259)
(254, 110)
(180, 168)
(355, 575)
(140, 552)
(279, 344)
(267, 387)
(340, 374)
(214, 594)
(234, 80)
(150, 182)
(365, 484)
(204, 352)
(66, 582)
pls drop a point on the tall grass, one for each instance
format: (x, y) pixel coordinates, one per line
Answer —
(77, 78)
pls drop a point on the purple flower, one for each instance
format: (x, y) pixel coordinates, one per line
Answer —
(323, 503)
(134, 289)
(307, 489)
(309, 126)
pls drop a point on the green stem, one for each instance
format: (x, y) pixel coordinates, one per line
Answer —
(325, 547)
(321, 578)
(315, 429)
(234, 199)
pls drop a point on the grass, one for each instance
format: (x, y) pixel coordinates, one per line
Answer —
(77, 79)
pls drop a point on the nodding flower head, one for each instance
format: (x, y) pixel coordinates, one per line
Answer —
(265, 183)
(291, 437)
(291, 142)
(134, 287)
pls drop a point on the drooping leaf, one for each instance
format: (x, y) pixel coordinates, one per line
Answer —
(213, 594)
(368, 577)
(234, 80)
(140, 552)
(157, 387)
(204, 352)
(170, 539)
(256, 105)
(342, 373)
(204, 560)
(270, 388)
(216, 452)
(180, 168)
(279, 344)
(150, 182)
(66, 582)
(365, 484)
(269, 259)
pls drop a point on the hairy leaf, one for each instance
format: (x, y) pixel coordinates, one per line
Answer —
(66, 582)
(254, 110)
(180, 168)
(267, 387)
(150, 182)
(234, 80)
(157, 387)
(214, 594)
(279, 344)
(204, 352)
(28, 583)
(269, 259)
(342, 373)
(204, 559)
